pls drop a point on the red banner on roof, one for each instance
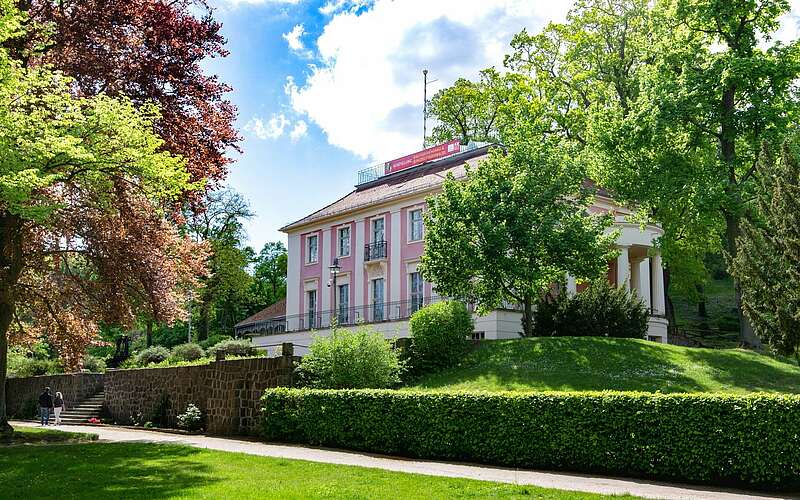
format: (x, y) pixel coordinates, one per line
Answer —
(420, 157)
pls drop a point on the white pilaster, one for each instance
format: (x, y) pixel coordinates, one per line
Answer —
(635, 274)
(395, 261)
(623, 268)
(325, 303)
(293, 282)
(358, 272)
(644, 282)
(659, 306)
(572, 287)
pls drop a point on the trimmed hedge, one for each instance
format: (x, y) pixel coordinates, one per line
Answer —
(752, 440)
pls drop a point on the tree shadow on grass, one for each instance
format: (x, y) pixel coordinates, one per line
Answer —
(104, 470)
(597, 363)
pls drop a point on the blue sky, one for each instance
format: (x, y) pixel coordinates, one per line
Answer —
(325, 88)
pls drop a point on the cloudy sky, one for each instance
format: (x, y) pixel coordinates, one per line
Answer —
(325, 88)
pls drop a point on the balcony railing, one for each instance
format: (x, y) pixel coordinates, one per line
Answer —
(375, 251)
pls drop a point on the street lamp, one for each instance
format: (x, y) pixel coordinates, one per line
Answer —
(335, 268)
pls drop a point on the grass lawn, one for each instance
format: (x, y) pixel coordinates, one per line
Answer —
(147, 471)
(596, 363)
(40, 435)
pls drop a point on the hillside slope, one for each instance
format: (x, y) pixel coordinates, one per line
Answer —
(596, 363)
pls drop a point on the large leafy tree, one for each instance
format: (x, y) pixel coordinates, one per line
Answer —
(518, 222)
(269, 275)
(768, 261)
(82, 236)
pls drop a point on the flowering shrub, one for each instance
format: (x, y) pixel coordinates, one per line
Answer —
(192, 419)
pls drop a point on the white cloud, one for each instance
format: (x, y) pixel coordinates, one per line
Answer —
(293, 38)
(272, 129)
(300, 129)
(365, 92)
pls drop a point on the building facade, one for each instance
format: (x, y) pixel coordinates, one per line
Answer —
(356, 260)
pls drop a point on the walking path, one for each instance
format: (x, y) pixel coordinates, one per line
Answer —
(562, 481)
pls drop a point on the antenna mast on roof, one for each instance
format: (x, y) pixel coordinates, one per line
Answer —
(425, 106)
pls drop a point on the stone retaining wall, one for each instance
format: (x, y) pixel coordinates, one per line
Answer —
(22, 394)
(227, 392)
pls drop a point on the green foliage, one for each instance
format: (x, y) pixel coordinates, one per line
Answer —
(214, 340)
(191, 419)
(24, 366)
(241, 347)
(768, 261)
(350, 359)
(440, 335)
(186, 352)
(601, 310)
(269, 276)
(609, 433)
(517, 223)
(93, 364)
(155, 354)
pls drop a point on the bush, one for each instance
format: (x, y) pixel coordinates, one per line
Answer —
(350, 360)
(93, 364)
(233, 348)
(601, 310)
(214, 340)
(192, 419)
(155, 354)
(23, 366)
(750, 439)
(187, 352)
(440, 334)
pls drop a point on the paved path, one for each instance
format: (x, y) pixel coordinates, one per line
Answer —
(574, 482)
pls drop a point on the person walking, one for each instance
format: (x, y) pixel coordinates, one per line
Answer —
(45, 403)
(58, 407)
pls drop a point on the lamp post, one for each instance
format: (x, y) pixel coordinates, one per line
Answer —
(334, 273)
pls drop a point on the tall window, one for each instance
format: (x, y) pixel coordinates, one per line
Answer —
(312, 250)
(343, 304)
(377, 230)
(311, 308)
(415, 225)
(417, 291)
(344, 241)
(377, 299)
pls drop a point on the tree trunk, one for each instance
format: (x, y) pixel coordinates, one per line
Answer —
(701, 304)
(6, 314)
(11, 260)
(149, 332)
(747, 337)
(205, 315)
(527, 318)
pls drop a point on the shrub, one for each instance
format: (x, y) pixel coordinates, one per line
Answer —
(155, 354)
(192, 419)
(232, 347)
(23, 366)
(717, 438)
(440, 334)
(350, 359)
(93, 364)
(187, 352)
(601, 310)
(214, 340)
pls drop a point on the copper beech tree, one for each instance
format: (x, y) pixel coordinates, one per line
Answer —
(83, 236)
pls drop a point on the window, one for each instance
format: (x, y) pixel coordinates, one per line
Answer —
(344, 242)
(377, 230)
(312, 242)
(311, 308)
(416, 285)
(343, 304)
(377, 299)
(478, 335)
(415, 225)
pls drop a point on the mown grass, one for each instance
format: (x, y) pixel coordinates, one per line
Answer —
(41, 435)
(147, 471)
(595, 363)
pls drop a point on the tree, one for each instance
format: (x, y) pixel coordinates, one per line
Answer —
(83, 239)
(517, 223)
(269, 275)
(768, 262)
(148, 51)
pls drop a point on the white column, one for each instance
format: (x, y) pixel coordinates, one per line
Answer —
(635, 267)
(293, 284)
(358, 273)
(396, 259)
(572, 287)
(659, 306)
(623, 268)
(327, 260)
(644, 282)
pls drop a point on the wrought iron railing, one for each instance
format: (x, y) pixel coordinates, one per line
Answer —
(375, 251)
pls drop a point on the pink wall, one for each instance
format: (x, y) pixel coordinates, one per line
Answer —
(309, 271)
(387, 235)
(408, 252)
(346, 263)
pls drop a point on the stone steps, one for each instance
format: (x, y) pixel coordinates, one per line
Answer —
(81, 412)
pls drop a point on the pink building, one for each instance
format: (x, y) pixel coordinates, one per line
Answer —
(375, 235)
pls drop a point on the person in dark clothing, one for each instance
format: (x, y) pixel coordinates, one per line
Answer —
(45, 404)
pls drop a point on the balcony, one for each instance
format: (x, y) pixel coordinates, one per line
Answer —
(375, 251)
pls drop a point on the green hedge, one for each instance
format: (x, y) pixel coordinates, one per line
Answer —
(753, 440)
